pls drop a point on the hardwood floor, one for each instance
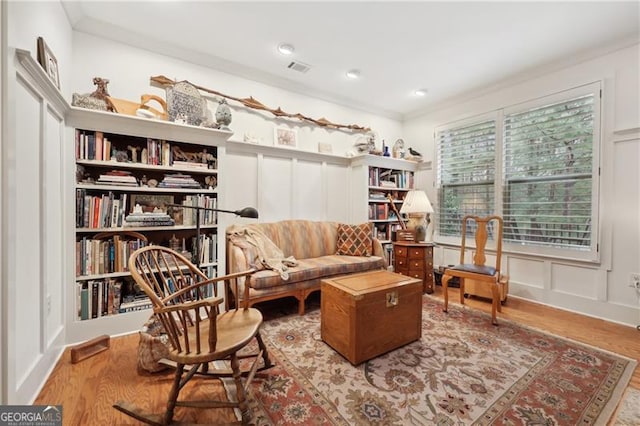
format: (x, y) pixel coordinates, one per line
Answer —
(88, 389)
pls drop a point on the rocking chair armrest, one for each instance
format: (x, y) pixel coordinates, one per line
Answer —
(186, 306)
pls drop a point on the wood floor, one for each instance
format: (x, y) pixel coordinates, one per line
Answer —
(88, 389)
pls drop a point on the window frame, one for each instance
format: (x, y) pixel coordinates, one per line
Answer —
(592, 254)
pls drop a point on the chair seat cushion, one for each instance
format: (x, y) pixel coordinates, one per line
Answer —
(475, 269)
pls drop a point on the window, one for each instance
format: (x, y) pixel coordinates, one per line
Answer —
(466, 174)
(536, 165)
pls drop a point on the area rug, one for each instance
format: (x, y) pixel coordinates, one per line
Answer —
(462, 371)
(628, 413)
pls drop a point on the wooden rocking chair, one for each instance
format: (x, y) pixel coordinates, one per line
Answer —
(478, 271)
(185, 302)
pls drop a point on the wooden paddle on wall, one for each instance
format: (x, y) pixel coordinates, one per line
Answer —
(395, 210)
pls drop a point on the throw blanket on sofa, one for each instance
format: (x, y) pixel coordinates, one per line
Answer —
(261, 250)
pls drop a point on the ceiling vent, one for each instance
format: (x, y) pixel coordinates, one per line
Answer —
(299, 66)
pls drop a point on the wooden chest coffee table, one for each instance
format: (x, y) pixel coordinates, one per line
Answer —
(367, 314)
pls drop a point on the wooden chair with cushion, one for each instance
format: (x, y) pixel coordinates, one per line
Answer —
(185, 302)
(478, 270)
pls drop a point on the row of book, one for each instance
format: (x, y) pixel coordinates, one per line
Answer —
(390, 178)
(179, 180)
(381, 211)
(117, 178)
(92, 146)
(100, 211)
(111, 296)
(384, 232)
(208, 247)
(140, 218)
(207, 217)
(104, 256)
(99, 298)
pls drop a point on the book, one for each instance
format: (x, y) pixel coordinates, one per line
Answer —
(84, 302)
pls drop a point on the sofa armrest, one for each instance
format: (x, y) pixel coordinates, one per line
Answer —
(236, 262)
(236, 259)
(378, 250)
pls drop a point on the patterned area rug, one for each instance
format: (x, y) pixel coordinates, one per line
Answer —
(462, 371)
(629, 410)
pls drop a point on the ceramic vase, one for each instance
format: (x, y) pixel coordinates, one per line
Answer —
(223, 115)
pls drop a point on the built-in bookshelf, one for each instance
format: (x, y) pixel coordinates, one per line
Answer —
(131, 177)
(386, 181)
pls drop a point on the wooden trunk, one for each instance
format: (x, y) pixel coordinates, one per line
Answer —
(365, 315)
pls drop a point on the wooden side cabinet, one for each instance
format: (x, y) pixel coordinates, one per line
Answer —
(415, 260)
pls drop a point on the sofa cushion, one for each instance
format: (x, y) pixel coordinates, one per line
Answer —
(355, 240)
(319, 267)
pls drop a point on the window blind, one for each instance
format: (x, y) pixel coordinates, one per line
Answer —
(547, 172)
(465, 174)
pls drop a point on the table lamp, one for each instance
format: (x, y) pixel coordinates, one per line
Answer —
(416, 206)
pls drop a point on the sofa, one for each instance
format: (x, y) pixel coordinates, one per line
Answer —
(315, 246)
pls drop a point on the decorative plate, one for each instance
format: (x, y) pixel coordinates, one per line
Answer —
(185, 104)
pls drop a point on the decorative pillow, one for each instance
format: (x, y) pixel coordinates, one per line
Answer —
(355, 240)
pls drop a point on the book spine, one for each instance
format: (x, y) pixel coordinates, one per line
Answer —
(84, 302)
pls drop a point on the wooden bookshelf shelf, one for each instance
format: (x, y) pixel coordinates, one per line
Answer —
(100, 137)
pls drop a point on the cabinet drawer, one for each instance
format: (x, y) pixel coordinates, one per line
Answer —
(400, 252)
(403, 271)
(415, 274)
(416, 264)
(401, 263)
(416, 253)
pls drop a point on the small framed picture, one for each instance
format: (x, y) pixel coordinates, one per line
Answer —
(48, 61)
(325, 147)
(285, 137)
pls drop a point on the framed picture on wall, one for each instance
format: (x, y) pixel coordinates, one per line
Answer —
(285, 137)
(48, 61)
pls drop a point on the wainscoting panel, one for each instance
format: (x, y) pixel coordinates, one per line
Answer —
(27, 206)
(52, 217)
(240, 182)
(275, 189)
(337, 194)
(287, 183)
(525, 272)
(574, 280)
(308, 195)
(34, 244)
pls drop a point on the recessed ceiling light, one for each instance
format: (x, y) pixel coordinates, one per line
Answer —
(353, 74)
(420, 92)
(286, 48)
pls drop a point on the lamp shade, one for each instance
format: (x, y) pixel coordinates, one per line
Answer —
(247, 212)
(416, 201)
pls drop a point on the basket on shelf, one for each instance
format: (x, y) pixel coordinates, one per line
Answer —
(123, 106)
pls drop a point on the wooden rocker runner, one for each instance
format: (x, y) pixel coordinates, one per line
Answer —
(198, 333)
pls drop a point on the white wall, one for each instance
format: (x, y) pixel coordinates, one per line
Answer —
(129, 70)
(599, 290)
(29, 20)
(3, 281)
(32, 222)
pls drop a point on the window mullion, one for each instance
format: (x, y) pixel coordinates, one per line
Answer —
(498, 164)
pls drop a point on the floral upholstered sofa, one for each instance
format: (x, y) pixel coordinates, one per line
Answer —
(317, 249)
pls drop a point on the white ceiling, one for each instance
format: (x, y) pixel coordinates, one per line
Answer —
(449, 48)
